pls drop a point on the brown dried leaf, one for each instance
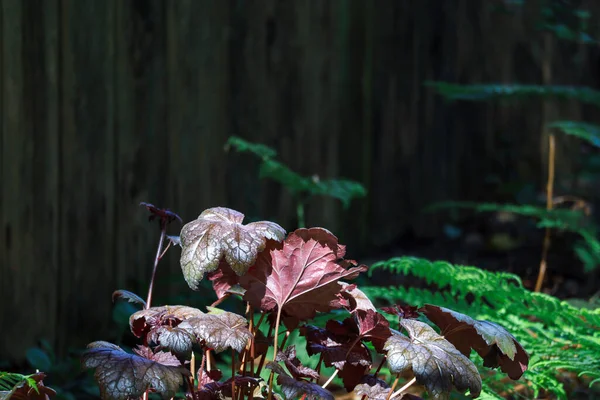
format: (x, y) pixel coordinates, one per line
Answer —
(436, 363)
(294, 366)
(491, 341)
(121, 375)
(218, 232)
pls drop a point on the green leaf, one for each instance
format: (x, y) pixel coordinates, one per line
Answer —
(38, 359)
(477, 92)
(583, 130)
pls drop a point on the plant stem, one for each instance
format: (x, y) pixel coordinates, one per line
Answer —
(380, 365)
(232, 373)
(549, 204)
(300, 213)
(193, 365)
(202, 362)
(274, 351)
(318, 369)
(403, 388)
(393, 387)
(332, 377)
(163, 233)
(219, 301)
(264, 356)
(287, 335)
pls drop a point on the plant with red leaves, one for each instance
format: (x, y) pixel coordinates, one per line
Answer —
(286, 281)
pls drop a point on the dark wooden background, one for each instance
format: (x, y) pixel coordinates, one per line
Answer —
(106, 103)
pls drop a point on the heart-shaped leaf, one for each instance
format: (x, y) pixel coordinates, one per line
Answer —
(218, 233)
(129, 296)
(143, 321)
(372, 388)
(491, 341)
(299, 277)
(436, 363)
(219, 331)
(293, 388)
(121, 375)
(176, 339)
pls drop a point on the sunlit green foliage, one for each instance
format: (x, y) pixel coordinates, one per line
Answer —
(557, 335)
(342, 189)
(9, 380)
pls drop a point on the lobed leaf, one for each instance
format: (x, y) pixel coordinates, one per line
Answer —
(435, 362)
(121, 375)
(143, 321)
(28, 387)
(218, 233)
(293, 388)
(491, 341)
(294, 366)
(300, 276)
(219, 331)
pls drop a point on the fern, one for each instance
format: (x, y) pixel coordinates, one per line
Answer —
(557, 335)
(10, 380)
(582, 130)
(479, 92)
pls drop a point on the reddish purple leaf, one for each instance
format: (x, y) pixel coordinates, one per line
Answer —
(409, 312)
(219, 330)
(160, 357)
(218, 234)
(435, 362)
(143, 321)
(300, 277)
(294, 366)
(129, 296)
(223, 279)
(164, 215)
(491, 341)
(121, 375)
(293, 388)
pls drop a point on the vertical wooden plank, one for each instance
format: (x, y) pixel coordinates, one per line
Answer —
(30, 173)
(86, 241)
(198, 103)
(142, 140)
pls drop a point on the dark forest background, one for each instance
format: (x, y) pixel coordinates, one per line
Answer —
(108, 103)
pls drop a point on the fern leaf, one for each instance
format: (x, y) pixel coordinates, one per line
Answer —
(452, 91)
(582, 130)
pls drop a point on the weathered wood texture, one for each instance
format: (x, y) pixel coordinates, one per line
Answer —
(106, 103)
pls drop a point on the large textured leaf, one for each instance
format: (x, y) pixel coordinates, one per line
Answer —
(293, 389)
(372, 388)
(219, 331)
(218, 233)
(176, 339)
(121, 375)
(299, 277)
(491, 341)
(436, 363)
(143, 321)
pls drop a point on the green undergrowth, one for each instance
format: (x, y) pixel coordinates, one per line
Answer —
(558, 336)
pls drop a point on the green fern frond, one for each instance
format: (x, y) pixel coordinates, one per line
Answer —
(341, 189)
(453, 91)
(582, 130)
(557, 335)
(10, 380)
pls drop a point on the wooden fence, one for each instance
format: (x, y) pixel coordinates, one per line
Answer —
(106, 103)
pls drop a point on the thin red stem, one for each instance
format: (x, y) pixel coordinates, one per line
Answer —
(163, 233)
